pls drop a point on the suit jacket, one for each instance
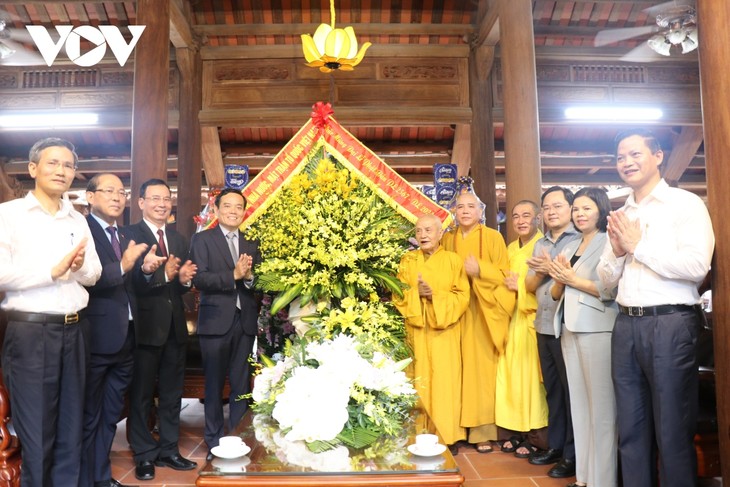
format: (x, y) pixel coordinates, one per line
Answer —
(218, 291)
(581, 311)
(159, 302)
(111, 297)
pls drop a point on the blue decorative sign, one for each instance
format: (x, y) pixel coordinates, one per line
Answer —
(445, 174)
(236, 176)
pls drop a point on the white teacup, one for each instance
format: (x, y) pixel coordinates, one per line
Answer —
(426, 441)
(230, 442)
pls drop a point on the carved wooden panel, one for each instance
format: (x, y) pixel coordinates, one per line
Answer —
(117, 78)
(8, 80)
(673, 75)
(666, 96)
(553, 72)
(237, 84)
(572, 93)
(97, 99)
(28, 100)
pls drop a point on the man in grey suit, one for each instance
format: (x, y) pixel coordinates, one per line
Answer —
(556, 210)
(227, 321)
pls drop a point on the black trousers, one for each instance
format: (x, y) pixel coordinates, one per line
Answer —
(44, 368)
(656, 383)
(560, 424)
(225, 355)
(164, 366)
(108, 378)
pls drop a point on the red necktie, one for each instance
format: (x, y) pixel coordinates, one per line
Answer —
(161, 243)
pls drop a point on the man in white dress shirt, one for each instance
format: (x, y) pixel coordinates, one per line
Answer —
(47, 256)
(661, 245)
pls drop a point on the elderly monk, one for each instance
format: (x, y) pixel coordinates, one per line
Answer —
(432, 306)
(486, 321)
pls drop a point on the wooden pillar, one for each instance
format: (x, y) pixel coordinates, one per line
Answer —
(482, 130)
(150, 104)
(714, 37)
(189, 168)
(519, 88)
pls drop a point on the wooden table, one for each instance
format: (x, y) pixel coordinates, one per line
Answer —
(392, 465)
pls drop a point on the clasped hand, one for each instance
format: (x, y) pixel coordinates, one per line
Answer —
(184, 272)
(424, 290)
(72, 261)
(623, 233)
(244, 268)
(561, 270)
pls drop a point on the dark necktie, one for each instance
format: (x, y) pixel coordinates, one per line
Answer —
(161, 243)
(115, 242)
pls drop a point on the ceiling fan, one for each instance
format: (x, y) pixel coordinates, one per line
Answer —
(12, 49)
(675, 31)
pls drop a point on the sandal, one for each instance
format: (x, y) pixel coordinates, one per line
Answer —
(513, 442)
(483, 447)
(526, 445)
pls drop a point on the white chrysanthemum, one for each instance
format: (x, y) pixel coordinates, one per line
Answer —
(313, 404)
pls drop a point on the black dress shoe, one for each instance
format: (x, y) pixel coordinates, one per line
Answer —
(145, 470)
(209, 456)
(564, 468)
(111, 483)
(545, 457)
(176, 462)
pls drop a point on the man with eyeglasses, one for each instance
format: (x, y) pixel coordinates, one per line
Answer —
(112, 312)
(559, 232)
(161, 335)
(47, 256)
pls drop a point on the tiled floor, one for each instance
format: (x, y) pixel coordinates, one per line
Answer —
(494, 469)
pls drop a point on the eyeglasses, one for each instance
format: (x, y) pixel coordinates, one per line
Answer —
(111, 192)
(66, 165)
(159, 199)
(555, 207)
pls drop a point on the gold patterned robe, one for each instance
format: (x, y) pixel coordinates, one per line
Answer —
(484, 327)
(434, 332)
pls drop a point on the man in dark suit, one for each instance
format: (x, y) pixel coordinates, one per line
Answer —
(227, 322)
(161, 335)
(111, 312)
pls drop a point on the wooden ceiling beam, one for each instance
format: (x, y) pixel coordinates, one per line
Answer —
(181, 34)
(371, 116)
(683, 152)
(212, 157)
(209, 53)
(418, 29)
(488, 28)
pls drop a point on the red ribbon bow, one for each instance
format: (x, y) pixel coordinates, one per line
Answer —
(321, 114)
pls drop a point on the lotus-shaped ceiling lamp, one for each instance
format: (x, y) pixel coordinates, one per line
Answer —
(331, 48)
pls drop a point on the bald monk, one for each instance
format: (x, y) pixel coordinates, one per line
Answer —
(432, 306)
(486, 321)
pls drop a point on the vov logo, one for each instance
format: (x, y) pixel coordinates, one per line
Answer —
(70, 36)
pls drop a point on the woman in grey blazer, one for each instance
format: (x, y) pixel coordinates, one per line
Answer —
(585, 315)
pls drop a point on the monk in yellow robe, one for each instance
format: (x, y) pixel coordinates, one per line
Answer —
(521, 403)
(485, 323)
(432, 306)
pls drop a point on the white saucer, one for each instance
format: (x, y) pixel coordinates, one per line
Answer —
(231, 465)
(230, 452)
(436, 449)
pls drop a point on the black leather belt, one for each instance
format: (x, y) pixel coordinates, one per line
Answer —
(67, 319)
(664, 309)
